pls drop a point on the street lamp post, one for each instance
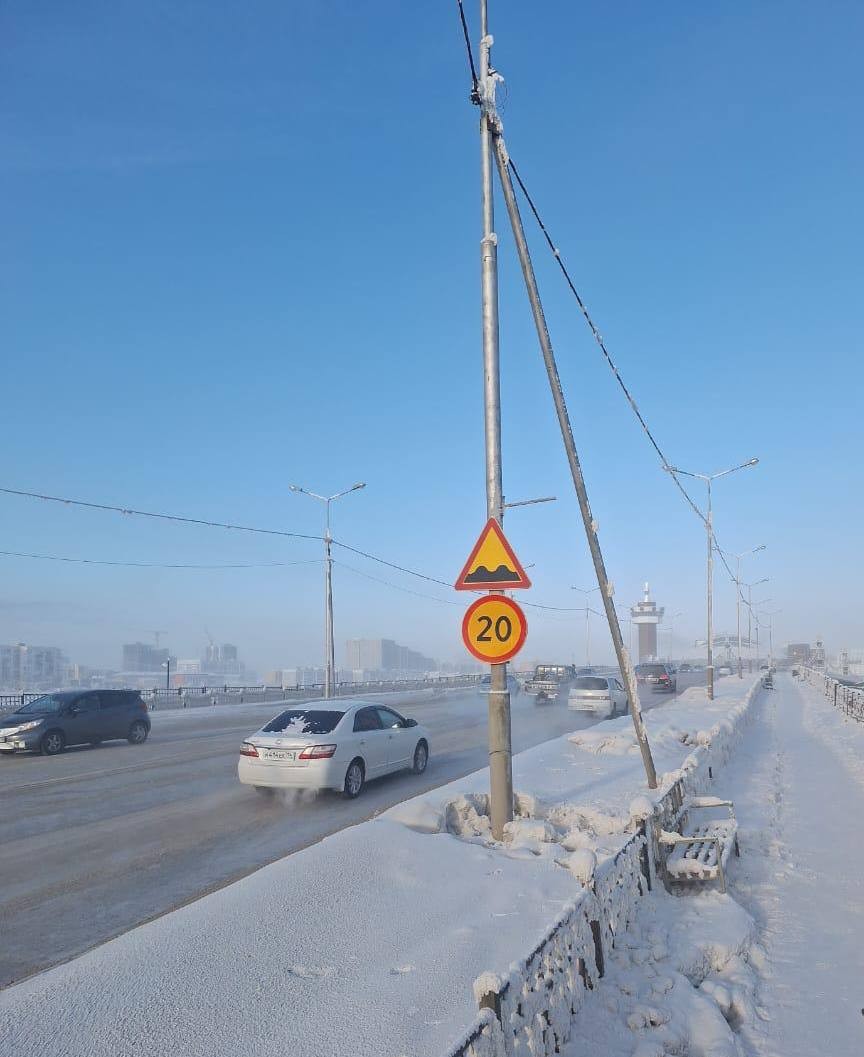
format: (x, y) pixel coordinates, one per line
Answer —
(709, 478)
(761, 602)
(770, 614)
(588, 610)
(329, 653)
(167, 666)
(738, 557)
(764, 580)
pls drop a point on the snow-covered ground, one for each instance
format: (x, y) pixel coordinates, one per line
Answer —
(799, 782)
(774, 968)
(369, 942)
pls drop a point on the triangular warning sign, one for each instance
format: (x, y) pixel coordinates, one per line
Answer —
(492, 563)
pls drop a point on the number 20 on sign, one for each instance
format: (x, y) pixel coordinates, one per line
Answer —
(494, 629)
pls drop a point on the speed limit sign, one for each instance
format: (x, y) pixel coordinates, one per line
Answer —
(494, 629)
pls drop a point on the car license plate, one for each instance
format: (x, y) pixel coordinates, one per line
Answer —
(280, 754)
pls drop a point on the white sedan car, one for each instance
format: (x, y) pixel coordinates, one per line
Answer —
(333, 744)
(603, 695)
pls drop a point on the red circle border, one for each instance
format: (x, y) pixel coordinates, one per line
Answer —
(469, 612)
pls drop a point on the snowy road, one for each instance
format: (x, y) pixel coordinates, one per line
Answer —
(798, 783)
(98, 841)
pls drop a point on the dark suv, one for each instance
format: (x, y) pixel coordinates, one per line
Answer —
(75, 717)
(658, 676)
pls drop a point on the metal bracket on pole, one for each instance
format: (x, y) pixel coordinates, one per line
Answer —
(623, 657)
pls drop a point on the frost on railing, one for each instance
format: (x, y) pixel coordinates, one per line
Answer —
(535, 1004)
(849, 699)
(483, 1039)
(533, 1008)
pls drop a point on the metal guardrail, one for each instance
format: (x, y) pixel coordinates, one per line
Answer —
(197, 696)
(849, 699)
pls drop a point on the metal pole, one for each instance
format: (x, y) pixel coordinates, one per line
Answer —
(168, 674)
(750, 628)
(709, 524)
(500, 748)
(587, 638)
(738, 613)
(329, 674)
(621, 651)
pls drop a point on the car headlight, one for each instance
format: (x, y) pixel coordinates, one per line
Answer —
(28, 726)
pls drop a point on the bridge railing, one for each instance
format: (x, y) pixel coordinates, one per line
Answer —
(195, 696)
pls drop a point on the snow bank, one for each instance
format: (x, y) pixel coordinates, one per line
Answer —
(370, 941)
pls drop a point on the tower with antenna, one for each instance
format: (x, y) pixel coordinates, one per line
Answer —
(646, 615)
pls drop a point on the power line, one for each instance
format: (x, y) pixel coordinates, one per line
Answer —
(598, 337)
(396, 587)
(475, 93)
(156, 565)
(162, 517)
(475, 98)
(242, 528)
(392, 565)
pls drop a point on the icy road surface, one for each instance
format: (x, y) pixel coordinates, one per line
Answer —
(97, 841)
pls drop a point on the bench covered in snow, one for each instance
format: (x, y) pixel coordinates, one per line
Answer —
(700, 851)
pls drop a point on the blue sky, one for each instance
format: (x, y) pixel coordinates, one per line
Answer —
(240, 249)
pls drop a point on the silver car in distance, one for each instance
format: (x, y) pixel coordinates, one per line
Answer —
(332, 744)
(603, 695)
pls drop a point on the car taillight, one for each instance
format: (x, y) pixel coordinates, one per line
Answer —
(247, 749)
(317, 752)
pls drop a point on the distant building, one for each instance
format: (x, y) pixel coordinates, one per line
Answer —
(188, 667)
(798, 652)
(221, 660)
(384, 658)
(24, 667)
(142, 657)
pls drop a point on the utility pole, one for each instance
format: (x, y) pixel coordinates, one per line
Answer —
(329, 651)
(621, 653)
(709, 478)
(500, 746)
(709, 524)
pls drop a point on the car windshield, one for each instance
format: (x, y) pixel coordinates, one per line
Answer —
(652, 669)
(588, 682)
(50, 703)
(304, 721)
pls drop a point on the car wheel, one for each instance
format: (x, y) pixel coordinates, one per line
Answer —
(355, 778)
(137, 733)
(264, 790)
(421, 757)
(52, 743)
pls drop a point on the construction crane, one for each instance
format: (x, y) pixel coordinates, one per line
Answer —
(156, 633)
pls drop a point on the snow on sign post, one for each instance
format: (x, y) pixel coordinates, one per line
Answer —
(494, 629)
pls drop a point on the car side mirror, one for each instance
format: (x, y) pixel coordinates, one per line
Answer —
(73, 710)
(410, 722)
